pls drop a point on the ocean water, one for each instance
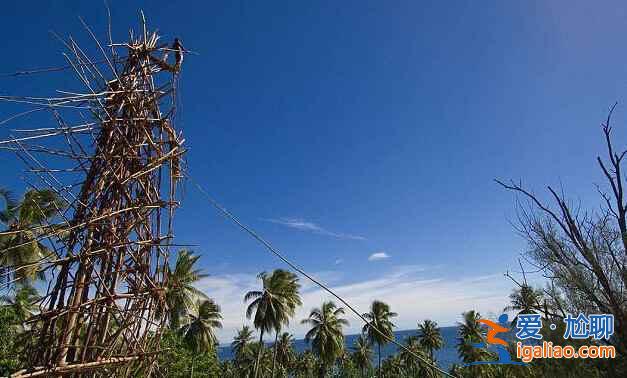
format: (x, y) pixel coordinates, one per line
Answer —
(445, 356)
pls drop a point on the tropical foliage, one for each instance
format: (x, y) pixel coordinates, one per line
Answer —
(199, 333)
(180, 360)
(362, 354)
(27, 223)
(23, 303)
(181, 294)
(10, 350)
(241, 341)
(525, 300)
(273, 305)
(326, 335)
(284, 352)
(191, 350)
(379, 328)
(190, 344)
(430, 337)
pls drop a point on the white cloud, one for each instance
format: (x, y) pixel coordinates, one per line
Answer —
(378, 256)
(339, 261)
(414, 292)
(306, 226)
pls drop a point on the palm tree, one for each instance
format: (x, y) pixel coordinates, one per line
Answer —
(23, 303)
(27, 222)
(181, 295)
(274, 304)
(525, 300)
(470, 328)
(199, 332)
(254, 363)
(362, 354)
(393, 366)
(288, 289)
(10, 206)
(326, 335)
(305, 364)
(469, 333)
(414, 357)
(430, 337)
(411, 346)
(227, 369)
(344, 364)
(379, 326)
(242, 340)
(247, 359)
(284, 350)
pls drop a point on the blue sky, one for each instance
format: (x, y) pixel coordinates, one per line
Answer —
(362, 139)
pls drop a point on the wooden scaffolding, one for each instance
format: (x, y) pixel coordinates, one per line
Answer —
(104, 308)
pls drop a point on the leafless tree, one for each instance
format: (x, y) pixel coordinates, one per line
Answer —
(581, 253)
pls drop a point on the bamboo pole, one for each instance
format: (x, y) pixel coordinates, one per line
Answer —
(107, 280)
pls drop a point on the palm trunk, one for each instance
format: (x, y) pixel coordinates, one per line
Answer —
(276, 338)
(379, 346)
(259, 353)
(191, 374)
(175, 323)
(431, 352)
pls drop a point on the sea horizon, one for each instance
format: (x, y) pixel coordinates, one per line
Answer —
(445, 357)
